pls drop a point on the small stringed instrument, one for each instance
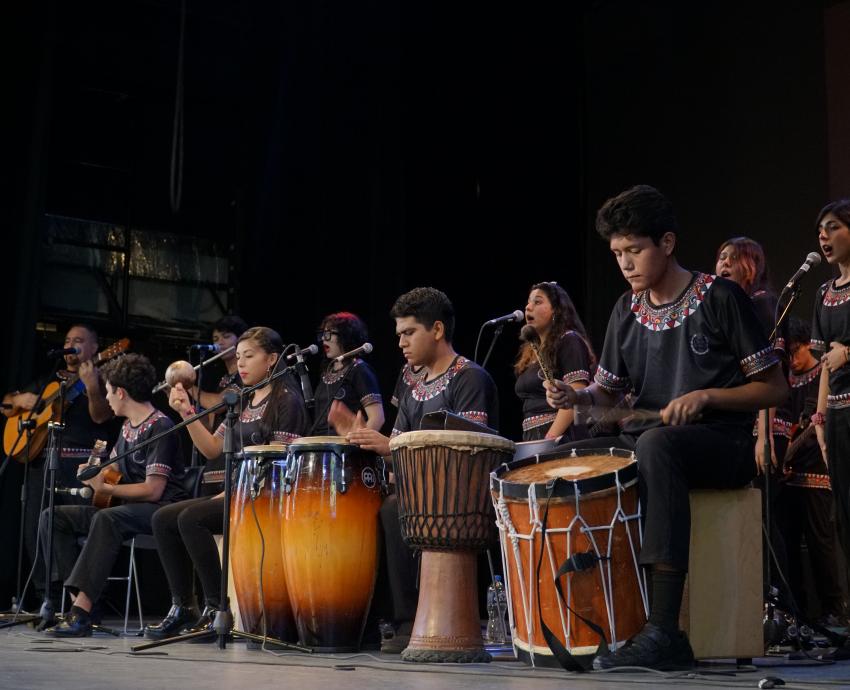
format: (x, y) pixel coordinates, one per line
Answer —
(111, 474)
(15, 444)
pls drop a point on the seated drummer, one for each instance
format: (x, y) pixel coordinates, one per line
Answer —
(185, 531)
(690, 345)
(434, 378)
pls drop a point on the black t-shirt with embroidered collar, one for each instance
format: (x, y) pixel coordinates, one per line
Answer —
(831, 323)
(355, 384)
(464, 388)
(709, 337)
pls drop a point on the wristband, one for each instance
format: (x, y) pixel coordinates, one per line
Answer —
(818, 419)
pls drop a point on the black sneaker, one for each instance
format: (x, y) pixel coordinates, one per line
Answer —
(395, 638)
(74, 625)
(652, 647)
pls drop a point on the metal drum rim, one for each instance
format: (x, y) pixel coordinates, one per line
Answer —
(320, 443)
(567, 487)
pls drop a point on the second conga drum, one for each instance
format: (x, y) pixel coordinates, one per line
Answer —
(255, 537)
(444, 510)
(330, 539)
(588, 500)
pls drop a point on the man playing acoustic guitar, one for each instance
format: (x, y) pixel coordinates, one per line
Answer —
(87, 417)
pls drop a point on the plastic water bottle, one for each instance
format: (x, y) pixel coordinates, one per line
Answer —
(497, 606)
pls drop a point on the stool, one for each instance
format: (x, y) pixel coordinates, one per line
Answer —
(722, 609)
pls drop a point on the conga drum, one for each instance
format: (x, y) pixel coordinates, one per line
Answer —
(444, 511)
(255, 537)
(592, 515)
(330, 539)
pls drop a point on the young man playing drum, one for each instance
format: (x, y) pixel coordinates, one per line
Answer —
(690, 345)
(443, 380)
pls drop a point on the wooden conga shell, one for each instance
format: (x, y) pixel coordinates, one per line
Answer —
(263, 469)
(442, 480)
(590, 511)
(330, 538)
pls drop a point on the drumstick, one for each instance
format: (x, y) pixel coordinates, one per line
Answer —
(530, 336)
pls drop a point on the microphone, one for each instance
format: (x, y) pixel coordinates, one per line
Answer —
(205, 347)
(301, 368)
(364, 349)
(84, 492)
(61, 352)
(513, 316)
(813, 259)
(312, 350)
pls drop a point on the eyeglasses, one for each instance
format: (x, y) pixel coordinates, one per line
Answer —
(326, 335)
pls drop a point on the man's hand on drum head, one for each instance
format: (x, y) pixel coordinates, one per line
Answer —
(369, 439)
(684, 409)
(560, 395)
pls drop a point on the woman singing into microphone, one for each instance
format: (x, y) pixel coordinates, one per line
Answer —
(565, 349)
(350, 381)
(185, 531)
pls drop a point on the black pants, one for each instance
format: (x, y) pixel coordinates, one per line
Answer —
(838, 456)
(806, 513)
(185, 535)
(106, 530)
(672, 460)
(401, 562)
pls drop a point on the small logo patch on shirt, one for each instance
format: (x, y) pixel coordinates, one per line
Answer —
(699, 344)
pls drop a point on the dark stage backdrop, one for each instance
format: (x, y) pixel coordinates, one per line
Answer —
(352, 151)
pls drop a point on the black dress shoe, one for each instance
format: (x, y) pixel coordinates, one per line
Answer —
(177, 618)
(203, 624)
(75, 625)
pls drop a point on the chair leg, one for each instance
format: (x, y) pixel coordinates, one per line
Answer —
(130, 573)
(138, 593)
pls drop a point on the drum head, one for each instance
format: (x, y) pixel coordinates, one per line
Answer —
(272, 450)
(565, 473)
(452, 439)
(307, 444)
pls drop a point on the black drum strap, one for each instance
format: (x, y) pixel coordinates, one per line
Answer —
(567, 661)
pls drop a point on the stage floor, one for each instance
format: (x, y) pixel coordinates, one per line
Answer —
(33, 660)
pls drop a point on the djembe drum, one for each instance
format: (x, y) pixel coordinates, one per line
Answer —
(592, 516)
(444, 510)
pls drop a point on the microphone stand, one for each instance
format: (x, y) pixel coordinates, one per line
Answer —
(499, 328)
(223, 622)
(768, 464)
(48, 611)
(25, 426)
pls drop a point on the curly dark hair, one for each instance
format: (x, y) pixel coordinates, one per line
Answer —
(230, 323)
(564, 318)
(132, 372)
(642, 211)
(799, 332)
(840, 209)
(427, 305)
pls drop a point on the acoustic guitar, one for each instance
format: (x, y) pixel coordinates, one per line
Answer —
(111, 475)
(15, 444)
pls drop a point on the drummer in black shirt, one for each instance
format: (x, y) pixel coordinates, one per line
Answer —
(435, 378)
(690, 345)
